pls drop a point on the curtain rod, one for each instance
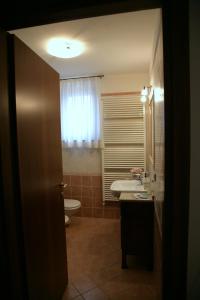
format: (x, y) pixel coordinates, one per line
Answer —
(82, 77)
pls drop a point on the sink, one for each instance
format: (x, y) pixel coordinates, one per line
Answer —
(127, 186)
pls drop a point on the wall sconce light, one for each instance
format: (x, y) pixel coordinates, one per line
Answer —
(145, 93)
(158, 94)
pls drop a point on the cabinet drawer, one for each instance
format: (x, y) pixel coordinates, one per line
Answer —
(136, 209)
(136, 232)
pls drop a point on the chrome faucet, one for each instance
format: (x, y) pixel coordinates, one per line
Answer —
(140, 178)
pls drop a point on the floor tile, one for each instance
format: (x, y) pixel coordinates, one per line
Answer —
(95, 294)
(94, 263)
(70, 292)
(83, 284)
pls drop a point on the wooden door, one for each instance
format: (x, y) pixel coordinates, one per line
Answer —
(40, 173)
(13, 285)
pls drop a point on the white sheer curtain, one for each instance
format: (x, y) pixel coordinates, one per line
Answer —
(80, 112)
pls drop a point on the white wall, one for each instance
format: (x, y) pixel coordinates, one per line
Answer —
(87, 161)
(131, 82)
(194, 210)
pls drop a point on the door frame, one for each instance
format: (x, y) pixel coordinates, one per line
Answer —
(177, 115)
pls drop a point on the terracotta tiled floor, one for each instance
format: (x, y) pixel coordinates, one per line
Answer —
(94, 264)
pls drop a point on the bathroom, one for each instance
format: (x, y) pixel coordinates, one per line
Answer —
(94, 269)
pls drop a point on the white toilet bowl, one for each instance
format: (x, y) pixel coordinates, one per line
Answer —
(67, 221)
(71, 207)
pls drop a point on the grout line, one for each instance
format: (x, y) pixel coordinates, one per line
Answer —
(99, 288)
(75, 289)
(87, 291)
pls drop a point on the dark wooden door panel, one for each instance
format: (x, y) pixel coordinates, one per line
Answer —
(40, 172)
(13, 284)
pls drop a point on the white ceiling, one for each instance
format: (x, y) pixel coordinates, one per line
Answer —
(119, 43)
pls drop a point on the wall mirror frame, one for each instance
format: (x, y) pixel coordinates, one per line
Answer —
(150, 131)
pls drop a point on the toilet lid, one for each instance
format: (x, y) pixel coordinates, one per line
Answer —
(71, 203)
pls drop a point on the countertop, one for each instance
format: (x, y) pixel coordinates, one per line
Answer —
(128, 196)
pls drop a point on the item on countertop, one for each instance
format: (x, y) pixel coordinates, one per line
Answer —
(142, 196)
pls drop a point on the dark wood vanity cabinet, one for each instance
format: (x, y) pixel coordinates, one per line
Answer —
(137, 218)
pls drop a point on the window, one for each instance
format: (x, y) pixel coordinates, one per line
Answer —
(80, 112)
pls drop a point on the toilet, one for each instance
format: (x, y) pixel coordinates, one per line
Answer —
(71, 207)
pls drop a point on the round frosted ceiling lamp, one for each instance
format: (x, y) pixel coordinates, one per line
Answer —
(63, 48)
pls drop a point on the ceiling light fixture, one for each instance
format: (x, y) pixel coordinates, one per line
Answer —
(64, 48)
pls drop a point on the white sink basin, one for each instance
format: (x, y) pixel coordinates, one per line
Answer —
(127, 186)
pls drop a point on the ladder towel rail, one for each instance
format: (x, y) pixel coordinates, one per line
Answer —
(123, 138)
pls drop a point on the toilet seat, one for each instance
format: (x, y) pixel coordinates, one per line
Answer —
(70, 204)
